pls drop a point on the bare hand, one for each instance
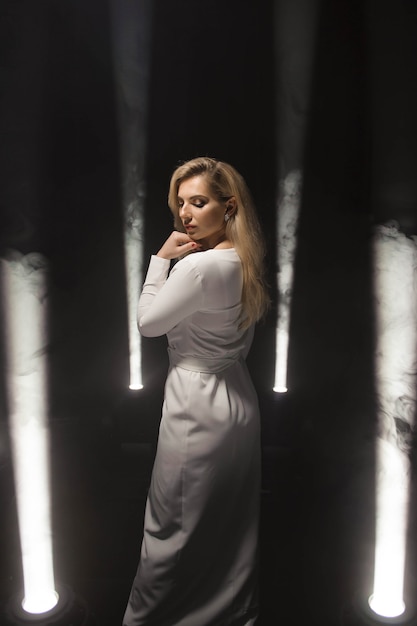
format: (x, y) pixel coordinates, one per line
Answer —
(178, 244)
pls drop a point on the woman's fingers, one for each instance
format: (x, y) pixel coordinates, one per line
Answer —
(176, 245)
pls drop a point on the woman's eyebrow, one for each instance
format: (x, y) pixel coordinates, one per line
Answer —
(197, 195)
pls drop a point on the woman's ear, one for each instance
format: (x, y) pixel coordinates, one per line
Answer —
(231, 206)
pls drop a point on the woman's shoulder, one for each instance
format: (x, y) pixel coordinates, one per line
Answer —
(214, 255)
(208, 260)
(215, 264)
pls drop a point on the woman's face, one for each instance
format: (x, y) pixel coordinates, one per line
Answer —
(200, 212)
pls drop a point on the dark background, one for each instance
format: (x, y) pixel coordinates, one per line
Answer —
(212, 91)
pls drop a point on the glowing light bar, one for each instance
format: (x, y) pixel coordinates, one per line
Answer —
(395, 263)
(287, 222)
(135, 386)
(24, 279)
(281, 357)
(392, 513)
(131, 28)
(133, 264)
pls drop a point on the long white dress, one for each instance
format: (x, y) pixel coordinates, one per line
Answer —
(198, 564)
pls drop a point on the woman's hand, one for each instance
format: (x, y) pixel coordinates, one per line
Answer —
(178, 244)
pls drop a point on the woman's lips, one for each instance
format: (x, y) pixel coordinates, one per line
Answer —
(189, 227)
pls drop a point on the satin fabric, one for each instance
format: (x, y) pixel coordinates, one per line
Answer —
(198, 563)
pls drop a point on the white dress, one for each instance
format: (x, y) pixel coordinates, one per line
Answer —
(198, 564)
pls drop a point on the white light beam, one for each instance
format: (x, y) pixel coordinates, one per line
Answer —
(133, 243)
(395, 267)
(24, 281)
(131, 32)
(287, 221)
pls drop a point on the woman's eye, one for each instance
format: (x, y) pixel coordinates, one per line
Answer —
(199, 203)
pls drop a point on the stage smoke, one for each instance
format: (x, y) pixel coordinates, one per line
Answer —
(133, 244)
(131, 28)
(288, 209)
(25, 309)
(395, 266)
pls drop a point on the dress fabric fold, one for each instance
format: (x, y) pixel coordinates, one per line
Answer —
(199, 556)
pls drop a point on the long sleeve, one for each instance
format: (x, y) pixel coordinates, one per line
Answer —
(166, 300)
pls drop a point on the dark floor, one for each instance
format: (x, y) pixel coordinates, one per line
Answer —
(316, 535)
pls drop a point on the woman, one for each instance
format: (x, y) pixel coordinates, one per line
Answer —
(198, 564)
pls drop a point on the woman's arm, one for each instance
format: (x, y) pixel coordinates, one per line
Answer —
(166, 301)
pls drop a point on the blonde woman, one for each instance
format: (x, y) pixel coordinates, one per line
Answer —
(198, 564)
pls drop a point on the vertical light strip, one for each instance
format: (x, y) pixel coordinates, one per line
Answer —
(295, 40)
(287, 221)
(24, 304)
(133, 246)
(131, 34)
(395, 267)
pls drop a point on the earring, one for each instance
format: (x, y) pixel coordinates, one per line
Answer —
(226, 217)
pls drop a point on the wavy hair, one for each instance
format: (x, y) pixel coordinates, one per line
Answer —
(242, 229)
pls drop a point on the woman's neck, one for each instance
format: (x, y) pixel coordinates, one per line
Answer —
(216, 243)
(223, 245)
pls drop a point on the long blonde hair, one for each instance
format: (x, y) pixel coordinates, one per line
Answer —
(242, 229)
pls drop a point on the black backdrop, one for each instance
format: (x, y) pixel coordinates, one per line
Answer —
(213, 90)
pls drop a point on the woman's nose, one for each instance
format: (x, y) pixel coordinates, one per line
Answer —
(184, 212)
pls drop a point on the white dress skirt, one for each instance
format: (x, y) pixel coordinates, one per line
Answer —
(199, 555)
